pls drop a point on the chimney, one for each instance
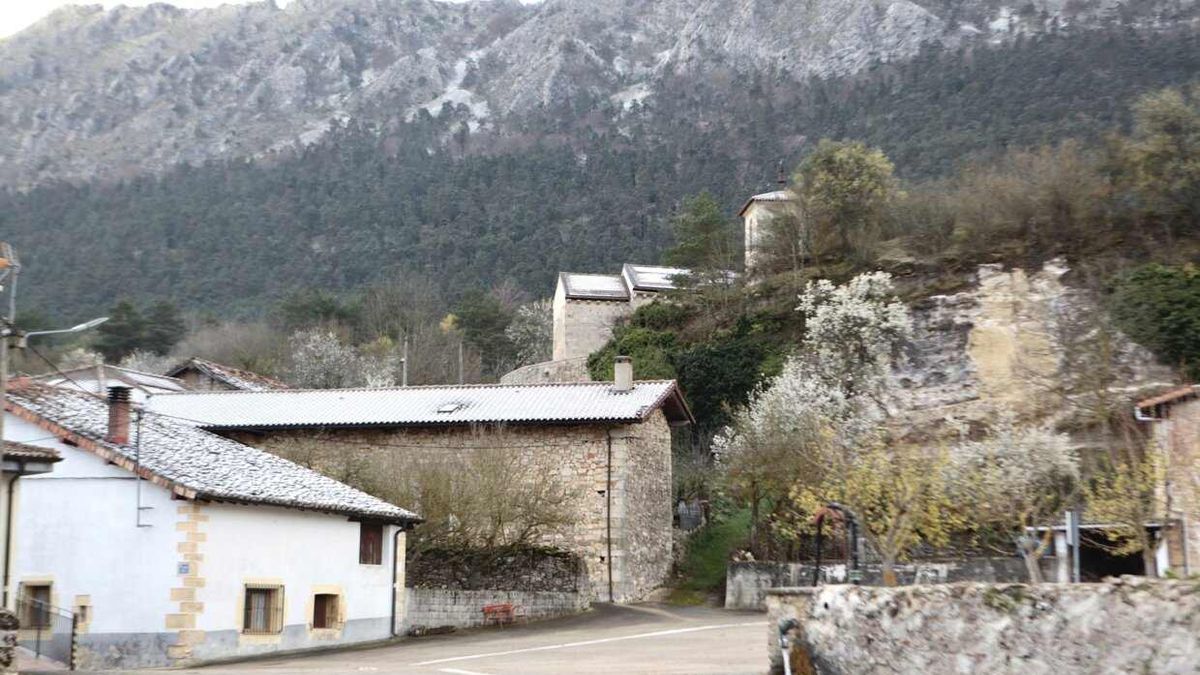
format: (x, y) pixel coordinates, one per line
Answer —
(622, 374)
(118, 415)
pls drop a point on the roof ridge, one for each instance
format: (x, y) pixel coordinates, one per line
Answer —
(423, 387)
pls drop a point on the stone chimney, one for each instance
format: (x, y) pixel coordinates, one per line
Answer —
(118, 415)
(622, 374)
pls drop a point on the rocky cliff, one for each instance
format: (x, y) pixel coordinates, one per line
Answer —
(1019, 342)
(88, 92)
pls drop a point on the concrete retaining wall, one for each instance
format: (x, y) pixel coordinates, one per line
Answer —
(1130, 625)
(432, 608)
(746, 583)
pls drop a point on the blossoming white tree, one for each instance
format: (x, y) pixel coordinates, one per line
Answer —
(1014, 478)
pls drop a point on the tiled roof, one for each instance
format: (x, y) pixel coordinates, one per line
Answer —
(15, 450)
(776, 196)
(652, 278)
(1170, 397)
(88, 379)
(582, 403)
(243, 380)
(593, 286)
(192, 462)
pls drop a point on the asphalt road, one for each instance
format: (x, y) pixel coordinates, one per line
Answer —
(639, 639)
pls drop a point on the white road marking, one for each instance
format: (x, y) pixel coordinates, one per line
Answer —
(456, 671)
(586, 643)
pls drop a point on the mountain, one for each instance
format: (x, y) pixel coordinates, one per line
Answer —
(90, 93)
(478, 144)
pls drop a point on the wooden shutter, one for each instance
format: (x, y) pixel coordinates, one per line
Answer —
(370, 544)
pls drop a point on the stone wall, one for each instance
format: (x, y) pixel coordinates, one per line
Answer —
(1177, 436)
(1130, 625)
(578, 455)
(584, 326)
(428, 609)
(747, 583)
(566, 370)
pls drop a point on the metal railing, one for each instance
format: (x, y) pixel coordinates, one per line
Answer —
(46, 630)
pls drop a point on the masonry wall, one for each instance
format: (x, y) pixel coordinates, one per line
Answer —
(584, 326)
(1131, 625)
(577, 455)
(1177, 436)
(432, 608)
(747, 583)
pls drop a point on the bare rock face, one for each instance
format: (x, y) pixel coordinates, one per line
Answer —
(1021, 343)
(92, 93)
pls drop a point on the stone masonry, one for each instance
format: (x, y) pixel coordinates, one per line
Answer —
(1130, 625)
(623, 507)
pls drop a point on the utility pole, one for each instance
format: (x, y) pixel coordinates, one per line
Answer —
(10, 268)
(404, 363)
(460, 360)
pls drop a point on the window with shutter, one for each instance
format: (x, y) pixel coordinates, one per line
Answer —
(263, 610)
(325, 610)
(370, 544)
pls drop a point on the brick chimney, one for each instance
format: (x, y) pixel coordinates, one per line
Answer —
(622, 374)
(118, 415)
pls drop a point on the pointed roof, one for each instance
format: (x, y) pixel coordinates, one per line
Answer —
(236, 378)
(191, 462)
(96, 379)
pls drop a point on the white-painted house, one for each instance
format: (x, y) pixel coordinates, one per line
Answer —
(173, 545)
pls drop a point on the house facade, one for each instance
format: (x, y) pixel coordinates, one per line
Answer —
(172, 545)
(1174, 421)
(607, 444)
(756, 215)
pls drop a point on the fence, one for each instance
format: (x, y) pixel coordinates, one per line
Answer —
(46, 630)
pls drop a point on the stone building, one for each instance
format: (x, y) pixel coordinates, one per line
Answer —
(165, 544)
(609, 444)
(1174, 418)
(586, 306)
(200, 374)
(756, 216)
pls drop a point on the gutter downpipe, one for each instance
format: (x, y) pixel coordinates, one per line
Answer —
(400, 529)
(8, 524)
(608, 515)
(785, 643)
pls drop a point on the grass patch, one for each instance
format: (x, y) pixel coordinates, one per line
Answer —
(703, 571)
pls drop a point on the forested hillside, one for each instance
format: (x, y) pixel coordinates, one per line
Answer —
(580, 187)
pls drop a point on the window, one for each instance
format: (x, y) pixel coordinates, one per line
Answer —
(370, 544)
(325, 610)
(34, 606)
(264, 610)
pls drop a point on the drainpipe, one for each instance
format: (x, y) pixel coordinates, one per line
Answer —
(785, 643)
(608, 515)
(8, 525)
(395, 559)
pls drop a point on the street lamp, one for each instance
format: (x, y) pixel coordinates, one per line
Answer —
(79, 328)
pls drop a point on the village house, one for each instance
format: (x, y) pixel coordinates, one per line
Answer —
(1174, 418)
(98, 378)
(171, 545)
(609, 443)
(203, 375)
(756, 215)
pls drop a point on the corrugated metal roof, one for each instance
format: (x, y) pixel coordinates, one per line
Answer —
(594, 286)
(651, 277)
(88, 379)
(200, 464)
(592, 402)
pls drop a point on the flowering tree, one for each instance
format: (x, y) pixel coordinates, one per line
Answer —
(1013, 479)
(531, 332)
(817, 432)
(1126, 495)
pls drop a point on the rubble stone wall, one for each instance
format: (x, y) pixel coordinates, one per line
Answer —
(747, 583)
(429, 609)
(577, 455)
(1129, 625)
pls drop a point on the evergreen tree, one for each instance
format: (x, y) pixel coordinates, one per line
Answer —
(122, 334)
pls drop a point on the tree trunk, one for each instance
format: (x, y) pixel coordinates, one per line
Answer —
(889, 572)
(1032, 567)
